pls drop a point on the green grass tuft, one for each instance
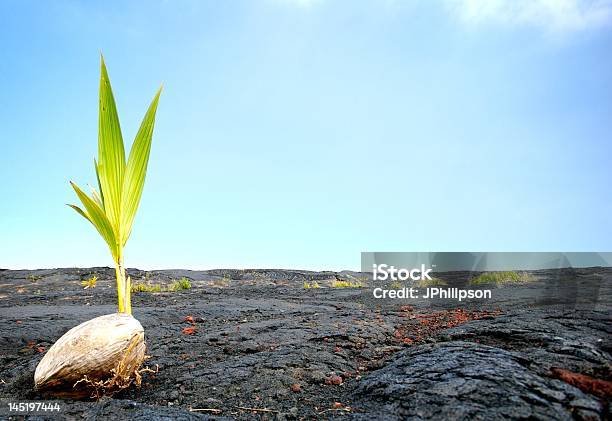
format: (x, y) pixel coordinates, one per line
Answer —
(502, 278)
(90, 283)
(146, 287)
(309, 285)
(346, 284)
(179, 285)
(34, 278)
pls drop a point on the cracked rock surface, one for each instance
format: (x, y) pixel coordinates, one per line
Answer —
(465, 380)
(258, 344)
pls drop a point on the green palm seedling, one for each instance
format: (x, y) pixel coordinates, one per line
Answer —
(103, 355)
(112, 209)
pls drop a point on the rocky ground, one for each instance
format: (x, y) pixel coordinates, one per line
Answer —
(258, 344)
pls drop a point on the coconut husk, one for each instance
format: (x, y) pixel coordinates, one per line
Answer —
(96, 358)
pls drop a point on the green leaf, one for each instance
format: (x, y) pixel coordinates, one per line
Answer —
(80, 212)
(99, 185)
(95, 214)
(137, 169)
(111, 153)
(112, 208)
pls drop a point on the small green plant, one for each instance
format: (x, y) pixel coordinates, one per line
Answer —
(179, 285)
(34, 278)
(308, 285)
(90, 283)
(433, 282)
(146, 287)
(502, 278)
(174, 286)
(346, 284)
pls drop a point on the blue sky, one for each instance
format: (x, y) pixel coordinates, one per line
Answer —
(298, 133)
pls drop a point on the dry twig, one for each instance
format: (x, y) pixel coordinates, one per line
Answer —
(244, 408)
(211, 410)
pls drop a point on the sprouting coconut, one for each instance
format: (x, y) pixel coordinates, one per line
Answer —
(98, 357)
(103, 355)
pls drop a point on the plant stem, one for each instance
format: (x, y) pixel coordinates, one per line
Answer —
(123, 289)
(118, 271)
(128, 295)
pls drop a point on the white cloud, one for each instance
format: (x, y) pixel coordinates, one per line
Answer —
(550, 15)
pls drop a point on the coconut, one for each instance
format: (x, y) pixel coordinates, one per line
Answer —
(98, 357)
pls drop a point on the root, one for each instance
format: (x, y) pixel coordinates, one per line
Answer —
(122, 376)
(139, 372)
